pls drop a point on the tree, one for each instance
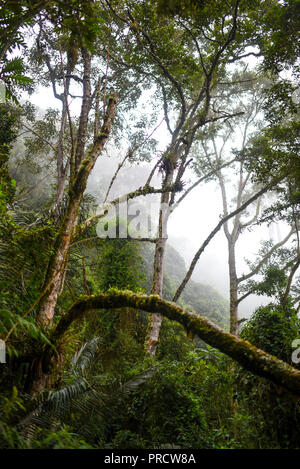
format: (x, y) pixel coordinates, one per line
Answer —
(273, 328)
(215, 150)
(176, 87)
(277, 267)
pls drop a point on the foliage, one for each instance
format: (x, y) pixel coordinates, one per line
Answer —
(273, 328)
(280, 38)
(277, 414)
(9, 436)
(8, 130)
(77, 20)
(274, 273)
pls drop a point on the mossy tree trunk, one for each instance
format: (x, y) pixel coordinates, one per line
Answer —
(233, 289)
(82, 162)
(58, 261)
(81, 165)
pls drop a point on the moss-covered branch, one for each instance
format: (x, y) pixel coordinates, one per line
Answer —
(250, 357)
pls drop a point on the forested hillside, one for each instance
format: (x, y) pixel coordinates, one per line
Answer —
(203, 299)
(124, 124)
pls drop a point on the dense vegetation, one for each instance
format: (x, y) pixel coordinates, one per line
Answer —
(109, 342)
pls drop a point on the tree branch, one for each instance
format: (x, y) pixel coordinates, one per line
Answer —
(250, 357)
(211, 235)
(265, 258)
(290, 278)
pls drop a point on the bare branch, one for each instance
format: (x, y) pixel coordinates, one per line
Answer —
(266, 257)
(129, 154)
(152, 172)
(39, 136)
(212, 234)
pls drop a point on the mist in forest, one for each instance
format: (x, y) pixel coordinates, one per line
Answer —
(190, 223)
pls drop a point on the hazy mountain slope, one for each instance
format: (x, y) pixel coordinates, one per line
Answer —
(203, 299)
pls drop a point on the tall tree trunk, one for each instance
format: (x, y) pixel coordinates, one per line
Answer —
(232, 238)
(233, 288)
(58, 263)
(158, 272)
(61, 168)
(156, 319)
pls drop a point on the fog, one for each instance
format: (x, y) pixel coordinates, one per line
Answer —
(190, 223)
